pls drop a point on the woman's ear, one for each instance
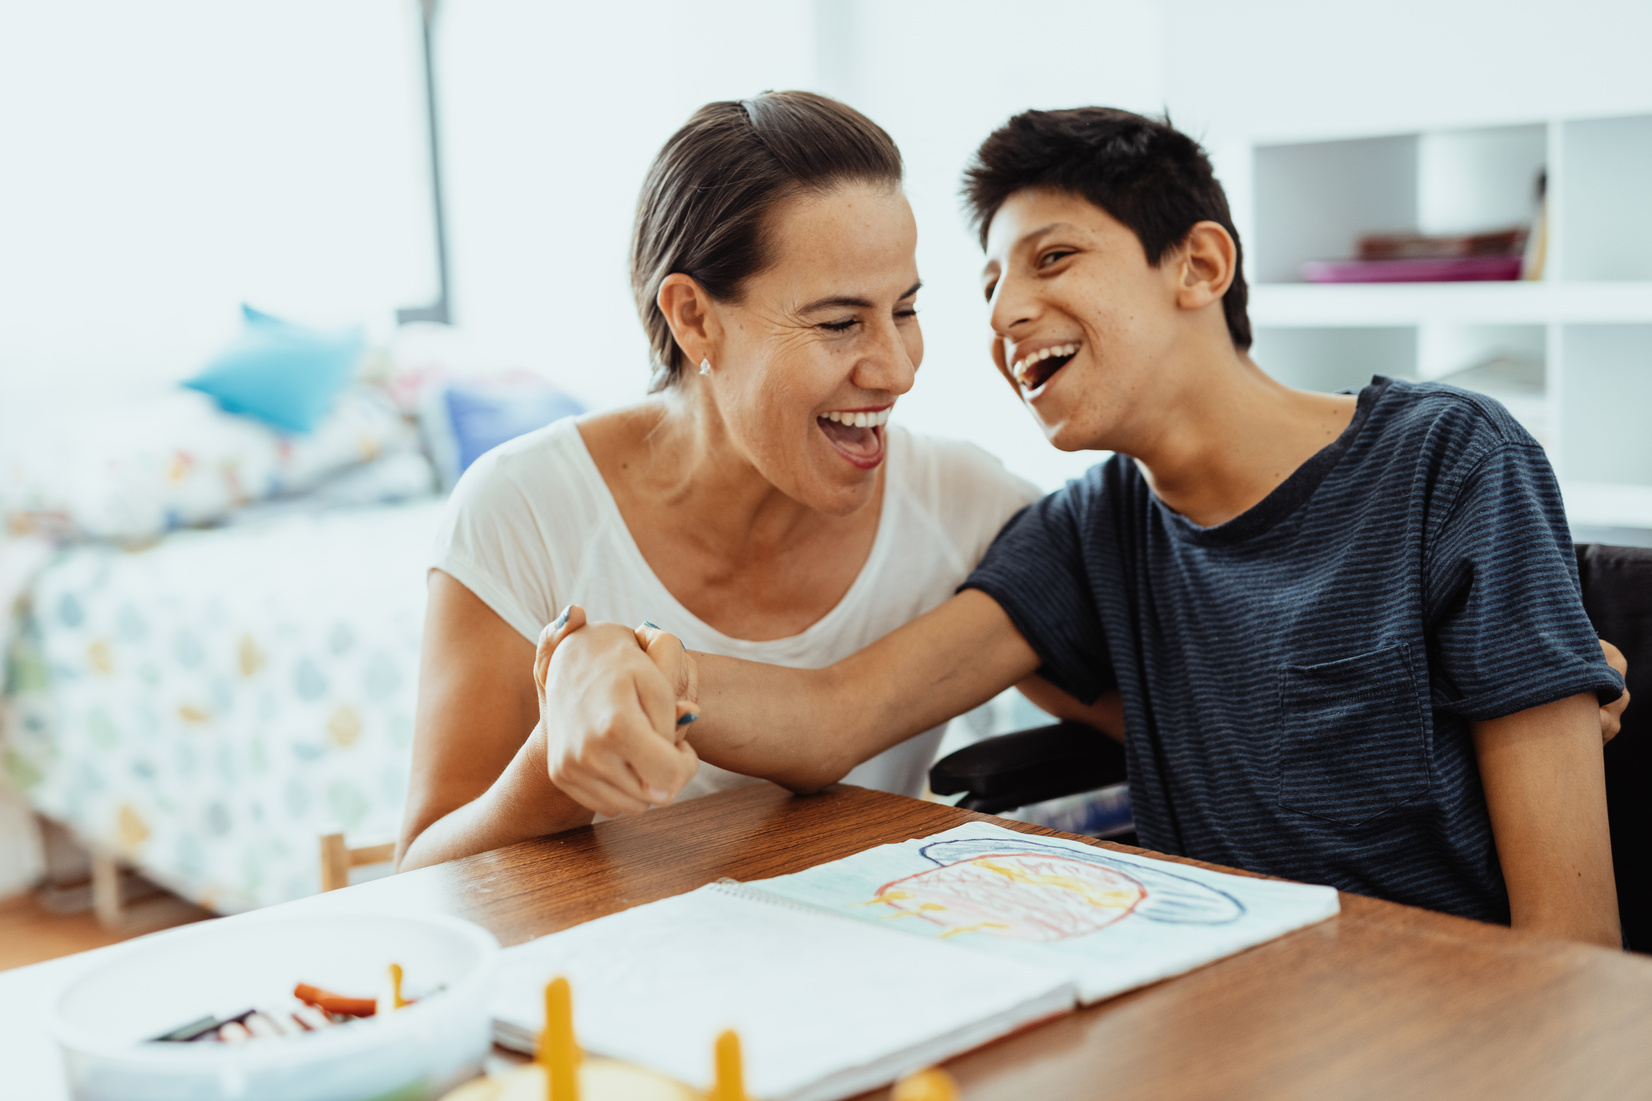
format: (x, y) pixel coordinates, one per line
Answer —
(1209, 261)
(692, 315)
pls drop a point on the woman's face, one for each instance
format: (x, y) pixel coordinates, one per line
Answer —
(810, 359)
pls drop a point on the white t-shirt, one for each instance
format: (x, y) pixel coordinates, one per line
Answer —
(532, 527)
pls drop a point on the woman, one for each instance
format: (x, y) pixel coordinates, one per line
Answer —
(759, 497)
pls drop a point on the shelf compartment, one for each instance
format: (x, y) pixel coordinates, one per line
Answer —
(1471, 181)
(1368, 304)
(1314, 200)
(1605, 234)
(1606, 395)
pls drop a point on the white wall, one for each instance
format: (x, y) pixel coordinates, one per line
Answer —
(162, 161)
(551, 114)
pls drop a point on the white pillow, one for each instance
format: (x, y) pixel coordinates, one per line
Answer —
(178, 460)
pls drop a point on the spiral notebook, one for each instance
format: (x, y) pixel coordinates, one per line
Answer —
(843, 977)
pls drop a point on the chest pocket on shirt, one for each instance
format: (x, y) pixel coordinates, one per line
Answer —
(1352, 737)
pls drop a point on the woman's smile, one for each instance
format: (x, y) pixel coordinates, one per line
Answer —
(857, 434)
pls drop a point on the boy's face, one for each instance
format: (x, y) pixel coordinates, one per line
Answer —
(1083, 325)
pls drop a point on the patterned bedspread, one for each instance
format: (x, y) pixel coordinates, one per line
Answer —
(210, 704)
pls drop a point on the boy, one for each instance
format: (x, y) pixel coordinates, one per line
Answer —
(1344, 631)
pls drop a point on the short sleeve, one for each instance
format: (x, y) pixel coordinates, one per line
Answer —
(1035, 570)
(1506, 625)
(493, 538)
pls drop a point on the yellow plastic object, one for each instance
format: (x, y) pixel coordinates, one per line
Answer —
(559, 1073)
(599, 1080)
(390, 995)
(557, 1051)
(933, 1084)
(396, 986)
(730, 1084)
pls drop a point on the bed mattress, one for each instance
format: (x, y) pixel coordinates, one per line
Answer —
(206, 707)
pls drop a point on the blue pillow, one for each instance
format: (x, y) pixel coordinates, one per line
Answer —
(467, 419)
(283, 374)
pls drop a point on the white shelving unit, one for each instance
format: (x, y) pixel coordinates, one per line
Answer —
(1570, 355)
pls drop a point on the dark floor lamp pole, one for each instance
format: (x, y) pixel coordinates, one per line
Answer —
(437, 311)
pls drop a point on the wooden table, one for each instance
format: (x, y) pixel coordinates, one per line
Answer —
(1383, 1001)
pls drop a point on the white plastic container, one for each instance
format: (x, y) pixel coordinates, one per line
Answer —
(103, 1018)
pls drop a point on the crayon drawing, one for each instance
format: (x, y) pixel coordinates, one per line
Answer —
(1023, 890)
(1112, 920)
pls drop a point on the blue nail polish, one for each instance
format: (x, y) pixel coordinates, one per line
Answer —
(688, 718)
(656, 626)
(562, 620)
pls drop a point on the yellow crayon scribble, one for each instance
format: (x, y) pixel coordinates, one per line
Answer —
(1112, 900)
(955, 930)
(887, 896)
(927, 907)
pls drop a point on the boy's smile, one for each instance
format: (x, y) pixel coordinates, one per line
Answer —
(1035, 365)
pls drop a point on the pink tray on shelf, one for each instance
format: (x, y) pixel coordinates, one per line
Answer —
(1449, 269)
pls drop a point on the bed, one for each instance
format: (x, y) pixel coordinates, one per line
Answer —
(207, 706)
(211, 599)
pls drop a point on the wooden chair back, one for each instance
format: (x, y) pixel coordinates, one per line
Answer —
(337, 858)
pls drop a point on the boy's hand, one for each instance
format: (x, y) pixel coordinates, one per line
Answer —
(612, 739)
(1611, 715)
(680, 670)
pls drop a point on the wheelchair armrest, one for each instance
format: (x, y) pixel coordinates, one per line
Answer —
(1029, 766)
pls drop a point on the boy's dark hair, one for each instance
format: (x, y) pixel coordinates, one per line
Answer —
(1144, 172)
(704, 206)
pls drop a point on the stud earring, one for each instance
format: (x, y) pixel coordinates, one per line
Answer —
(705, 366)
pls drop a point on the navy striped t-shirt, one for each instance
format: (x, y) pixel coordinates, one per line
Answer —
(1298, 682)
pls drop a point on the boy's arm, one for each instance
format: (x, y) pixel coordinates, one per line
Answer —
(805, 729)
(1106, 714)
(1545, 789)
(801, 728)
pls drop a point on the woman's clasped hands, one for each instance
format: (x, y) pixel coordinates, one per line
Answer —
(616, 706)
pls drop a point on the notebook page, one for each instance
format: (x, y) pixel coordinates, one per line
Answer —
(1111, 920)
(825, 1008)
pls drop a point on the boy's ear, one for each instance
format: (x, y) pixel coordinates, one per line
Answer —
(1209, 260)
(691, 314)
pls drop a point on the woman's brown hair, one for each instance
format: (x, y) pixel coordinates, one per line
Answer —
(713, 184)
